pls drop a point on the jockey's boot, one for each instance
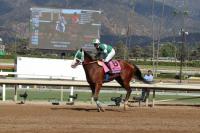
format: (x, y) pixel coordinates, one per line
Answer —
(107, 77)
(107, 74)
(108, 67)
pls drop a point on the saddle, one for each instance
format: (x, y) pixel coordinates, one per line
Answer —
(113, 66)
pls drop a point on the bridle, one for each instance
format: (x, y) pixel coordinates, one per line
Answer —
(81, 61)
(92, 62)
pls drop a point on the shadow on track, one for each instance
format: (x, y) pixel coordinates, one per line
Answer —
(85, 109)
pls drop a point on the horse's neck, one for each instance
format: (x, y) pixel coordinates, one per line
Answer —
(87, 61)
(88, 58)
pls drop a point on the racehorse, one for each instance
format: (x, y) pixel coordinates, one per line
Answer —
(95, 75)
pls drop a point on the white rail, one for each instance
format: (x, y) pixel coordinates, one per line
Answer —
(53, 82)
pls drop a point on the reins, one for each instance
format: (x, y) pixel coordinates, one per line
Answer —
(92, 62)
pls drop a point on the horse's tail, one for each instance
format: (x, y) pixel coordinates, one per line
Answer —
(138, 75)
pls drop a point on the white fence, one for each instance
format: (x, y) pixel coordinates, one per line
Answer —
(74, 83)
(46, 68)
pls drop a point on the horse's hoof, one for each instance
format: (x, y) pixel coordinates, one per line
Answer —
(125, 107)
(100, 110)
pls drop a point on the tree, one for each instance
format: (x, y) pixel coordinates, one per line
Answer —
(195, 55)
(167, 50)
(147, 52)
(21, 46)
(136, 52)
(121, 50)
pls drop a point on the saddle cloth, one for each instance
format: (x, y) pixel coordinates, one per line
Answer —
(113, 65)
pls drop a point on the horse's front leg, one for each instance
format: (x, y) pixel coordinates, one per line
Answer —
(92, 87)
(97, 90)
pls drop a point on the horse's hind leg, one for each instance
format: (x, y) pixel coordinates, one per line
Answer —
(126, 85)
(128, 89)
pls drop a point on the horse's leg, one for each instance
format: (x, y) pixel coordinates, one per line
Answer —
(96, 94)
(128, 90)
(126, 85)
(92, 87)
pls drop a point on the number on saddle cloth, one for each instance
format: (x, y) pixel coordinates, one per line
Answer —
(114, 66)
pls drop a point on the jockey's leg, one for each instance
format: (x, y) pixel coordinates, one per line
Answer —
(110, 56)
(143, 94)
(107, 76)
(107, 59)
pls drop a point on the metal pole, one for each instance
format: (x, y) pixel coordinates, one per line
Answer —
(182, 51)
(4, 93)
(183, 35)
(153, 37)
(175, 50)
(159, 36)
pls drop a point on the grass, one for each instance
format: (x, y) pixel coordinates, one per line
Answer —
(150, 67)
(7, 60)
(47, 95)
(179, 99)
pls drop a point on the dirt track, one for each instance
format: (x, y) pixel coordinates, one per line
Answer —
(31, 118)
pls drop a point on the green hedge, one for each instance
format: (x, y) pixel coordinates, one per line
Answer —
(189, 64)
(171, 76)
(7, 57)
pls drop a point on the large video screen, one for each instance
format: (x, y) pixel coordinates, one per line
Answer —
(63, 29)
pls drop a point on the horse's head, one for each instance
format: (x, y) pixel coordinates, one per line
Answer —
(78, 58)
(81, 57)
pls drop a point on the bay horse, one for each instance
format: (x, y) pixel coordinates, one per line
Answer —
(95, 75)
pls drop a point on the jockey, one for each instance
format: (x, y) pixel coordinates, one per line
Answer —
(103, 49)
(106, 52)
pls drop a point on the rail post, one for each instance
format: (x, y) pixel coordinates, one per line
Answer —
(4, 93)
(71, 93)
(15, 96)
(147, 102)
(61, 94)
(153, 100)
